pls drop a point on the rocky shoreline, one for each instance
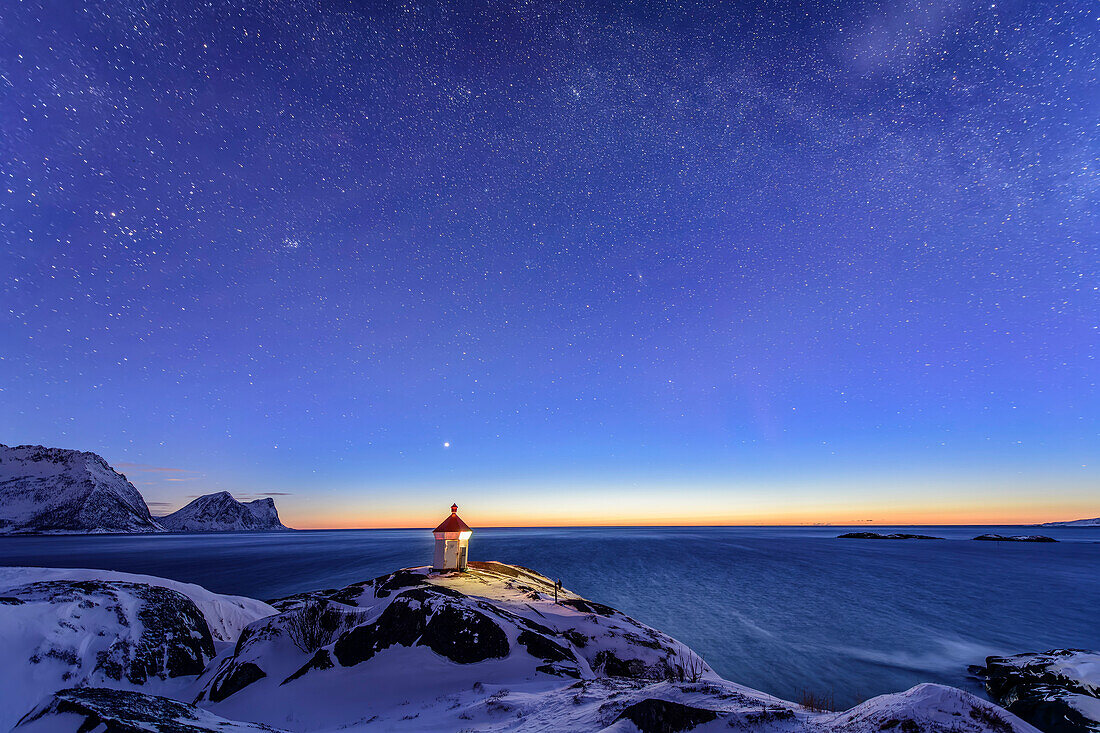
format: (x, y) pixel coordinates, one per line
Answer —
(488, 649)
(1056, 691)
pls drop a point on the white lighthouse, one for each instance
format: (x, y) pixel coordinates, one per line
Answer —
(452, 538)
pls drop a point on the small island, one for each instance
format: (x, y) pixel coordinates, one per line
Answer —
(881, 536)
(1015, 538)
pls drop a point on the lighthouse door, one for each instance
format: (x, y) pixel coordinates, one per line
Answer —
(450, 555)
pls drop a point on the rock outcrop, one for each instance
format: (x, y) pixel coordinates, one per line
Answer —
(1015, 538)
(126, 711)
(1056, 691)
(220, 512)
(53, 490)
(64, 628)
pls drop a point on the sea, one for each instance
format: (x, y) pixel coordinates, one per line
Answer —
(786, 610)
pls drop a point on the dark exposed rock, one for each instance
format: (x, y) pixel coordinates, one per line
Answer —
(123, 711)
(585, 606)
(321, 660)
(1033, 687)
(349, 595)
(398, 624)
(559, 670)
(233, 679)
(881, 536)
(10, 601)
(539, 646)
(464, 636)
(612, 666)
(174, 641)
(396, 581)
(1015, 538)
(661, 716)
(1049, 709)
(576, 638)
(423, 617)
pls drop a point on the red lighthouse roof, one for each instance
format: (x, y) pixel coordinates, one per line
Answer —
(453, 523)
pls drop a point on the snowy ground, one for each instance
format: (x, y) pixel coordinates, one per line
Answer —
(489, 649)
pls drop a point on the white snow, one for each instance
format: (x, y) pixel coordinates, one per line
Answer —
(1074, 523)
(59, 491)
(50, 646)
(226, 615)
(220, 512)
(413, 688)
(1079, 667)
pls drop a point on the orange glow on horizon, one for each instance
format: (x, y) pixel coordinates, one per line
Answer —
(899, 517)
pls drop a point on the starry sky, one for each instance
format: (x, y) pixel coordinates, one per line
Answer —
(563, 263)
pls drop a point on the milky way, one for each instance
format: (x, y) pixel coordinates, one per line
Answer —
(303, 245)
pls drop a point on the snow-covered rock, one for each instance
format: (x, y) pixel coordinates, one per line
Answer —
(62, 628)
(54, 490)
(225, 615)
(1074, 523)
(488, 649)
(222, 513)
(122, 711)
(1058, 691)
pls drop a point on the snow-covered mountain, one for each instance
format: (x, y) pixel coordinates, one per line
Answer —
(488, 649)
(1074, 523)
(220, 512)
(54, 490)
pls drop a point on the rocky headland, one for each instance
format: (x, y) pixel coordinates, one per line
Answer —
(220, 512)
(488, 649)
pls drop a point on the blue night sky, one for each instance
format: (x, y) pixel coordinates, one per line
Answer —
(634, 262)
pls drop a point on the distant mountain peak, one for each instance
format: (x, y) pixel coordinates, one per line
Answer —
(57, 490)
(220, 512)
(1074, 523)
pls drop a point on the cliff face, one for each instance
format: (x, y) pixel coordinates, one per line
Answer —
(222, 513)
(489, 649)
(53, 490)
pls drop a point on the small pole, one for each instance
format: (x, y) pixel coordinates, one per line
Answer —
(557, 587)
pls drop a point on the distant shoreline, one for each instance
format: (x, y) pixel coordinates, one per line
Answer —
(536, 527)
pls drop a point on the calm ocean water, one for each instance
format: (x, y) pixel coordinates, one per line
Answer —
(780, 609)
